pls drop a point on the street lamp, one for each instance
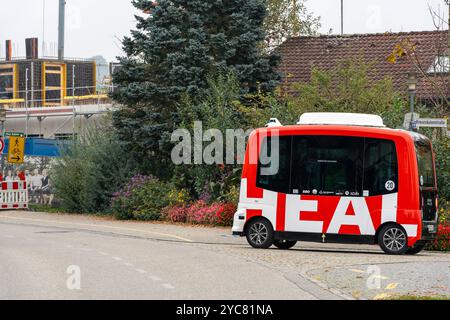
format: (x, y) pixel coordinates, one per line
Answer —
(412, 87)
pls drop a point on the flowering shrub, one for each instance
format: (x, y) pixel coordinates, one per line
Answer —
(175, 214)
(225, 214)
(178, 197)
(141, 199)
(442, 243)
(444, 213)
(147, 198)
(201, 213)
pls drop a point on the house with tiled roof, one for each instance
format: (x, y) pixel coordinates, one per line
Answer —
(394, 55)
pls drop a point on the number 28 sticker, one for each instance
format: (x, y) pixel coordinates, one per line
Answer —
(390, 185)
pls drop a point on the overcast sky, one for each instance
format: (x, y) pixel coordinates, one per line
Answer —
(95, 27)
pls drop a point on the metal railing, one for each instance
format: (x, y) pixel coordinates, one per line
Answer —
(79, 95)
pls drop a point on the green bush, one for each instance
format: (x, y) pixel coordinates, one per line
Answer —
(218, 109)
(442, 149)
(90, 171)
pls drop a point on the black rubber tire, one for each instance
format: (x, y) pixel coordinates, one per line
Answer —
(265, 239)
(416, 249)
(386, 233)
(284, 244)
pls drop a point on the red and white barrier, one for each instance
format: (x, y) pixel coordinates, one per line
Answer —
(13, 195)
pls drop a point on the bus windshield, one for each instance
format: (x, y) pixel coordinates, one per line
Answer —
(426, 164)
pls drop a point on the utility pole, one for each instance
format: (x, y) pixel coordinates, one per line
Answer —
(342, 17)
(2, 129)
(61, 28)
(43, 27)
(26, 101)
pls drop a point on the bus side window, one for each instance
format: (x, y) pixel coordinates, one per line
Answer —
(275, 175)
(380, 167)
(327, 165)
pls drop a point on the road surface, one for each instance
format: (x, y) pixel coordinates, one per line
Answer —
(48, 256)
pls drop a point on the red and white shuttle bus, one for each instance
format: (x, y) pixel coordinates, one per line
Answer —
(338, 178)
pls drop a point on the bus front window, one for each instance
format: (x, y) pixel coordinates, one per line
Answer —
(426, 165)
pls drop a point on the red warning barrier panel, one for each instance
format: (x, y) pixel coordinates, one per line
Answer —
(13, 195)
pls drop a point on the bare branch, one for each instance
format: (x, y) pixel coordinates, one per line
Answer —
(438, 17)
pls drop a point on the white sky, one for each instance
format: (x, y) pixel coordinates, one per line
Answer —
(94, 27)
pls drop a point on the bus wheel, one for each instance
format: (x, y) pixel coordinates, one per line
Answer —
(284, 244)
(393, 240)
(418, 248)
(260, 234)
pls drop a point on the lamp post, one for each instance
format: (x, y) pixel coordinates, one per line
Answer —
(412, 87)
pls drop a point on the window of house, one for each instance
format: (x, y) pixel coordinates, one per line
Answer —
(440, 65)
(327, 165)
(380, 167)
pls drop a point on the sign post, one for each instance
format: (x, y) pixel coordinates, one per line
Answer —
(410, 118)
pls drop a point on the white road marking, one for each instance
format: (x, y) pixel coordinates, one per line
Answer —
(141, 271)
(99, 226)
(356, 271)
(380, 277)
(128, 264)
(103, 253)
(168, 286)
(154, 278)
(117, 258)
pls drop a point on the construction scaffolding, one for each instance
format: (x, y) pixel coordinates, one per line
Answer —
(47, 83)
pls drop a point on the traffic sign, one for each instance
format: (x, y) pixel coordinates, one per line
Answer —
(2, 145)
(16, 152)
(14, 134)
(431, 123)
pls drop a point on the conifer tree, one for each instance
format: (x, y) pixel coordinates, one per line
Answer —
(177, 45)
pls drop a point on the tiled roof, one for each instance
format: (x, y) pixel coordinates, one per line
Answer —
(300, 54)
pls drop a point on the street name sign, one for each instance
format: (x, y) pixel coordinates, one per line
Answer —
(431, 123)
(16, 150)
(14, 134)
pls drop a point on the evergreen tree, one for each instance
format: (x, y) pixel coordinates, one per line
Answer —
(177, 45)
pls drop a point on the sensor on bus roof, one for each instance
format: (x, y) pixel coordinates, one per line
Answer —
(344, 119)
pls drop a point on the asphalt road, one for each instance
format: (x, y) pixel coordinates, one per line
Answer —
(45, 256)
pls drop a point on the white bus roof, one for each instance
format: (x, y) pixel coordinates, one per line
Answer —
(344, 119)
